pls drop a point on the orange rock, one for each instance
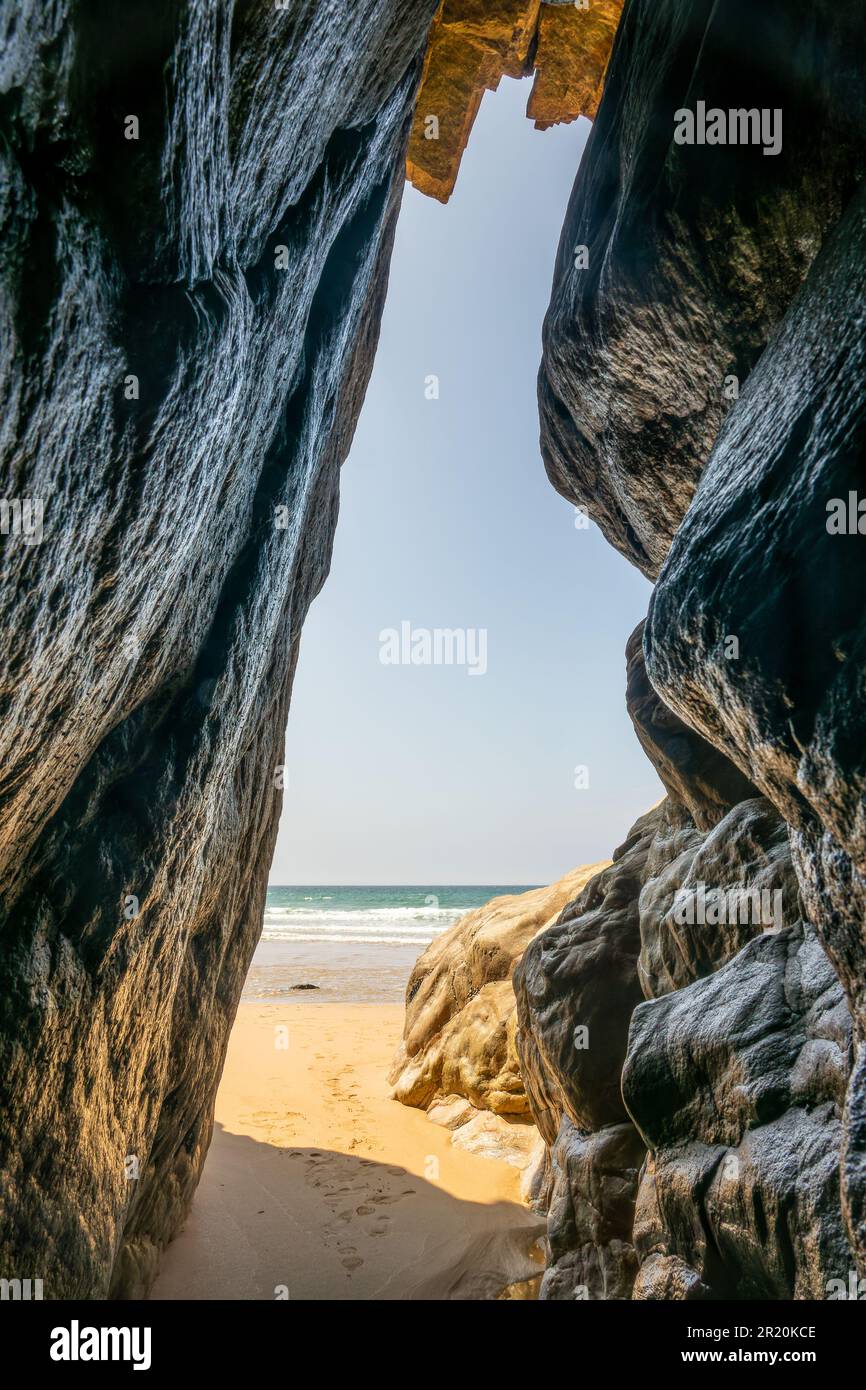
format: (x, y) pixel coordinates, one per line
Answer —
(574, 48)
(474, 43)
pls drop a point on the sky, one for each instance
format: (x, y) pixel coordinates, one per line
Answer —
(425, 773)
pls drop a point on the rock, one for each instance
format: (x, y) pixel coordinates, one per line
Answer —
(571, 58)
(693, 772)
(473, 44)
(589, 1228)
(701, 396)
(796, 441)
(465, 58)
(451, 1112)
(509, 1141)
(788, 709)
(576, 986)
(705, 896)
(736, 1085)
(668, 1278)
(694, 252)
(180, 405)
(458, 1037)
(760, 1041)
(720, 849)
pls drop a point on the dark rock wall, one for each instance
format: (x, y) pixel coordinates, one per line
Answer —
(694, 252)
(743, 1073)
(789, 709)
(736, 1085)
(189, 318)
(151, 637)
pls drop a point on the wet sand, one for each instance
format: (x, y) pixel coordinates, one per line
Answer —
(343, 972)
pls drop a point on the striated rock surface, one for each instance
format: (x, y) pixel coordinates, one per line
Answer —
(737, 1084)
(474, 43)
(702, 396)
(594, 1185)
(705, 895)
(694, 251)
(197, 209)
(789, 708)
(459, 1034)
(576, 987)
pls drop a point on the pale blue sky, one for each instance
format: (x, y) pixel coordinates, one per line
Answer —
(424, 774)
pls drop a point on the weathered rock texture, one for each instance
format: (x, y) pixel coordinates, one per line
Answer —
(458, 1038)
(593, 1189)
(741, 1070)
(737, 1085)
(571, 57)
(745, 863)
(474, 44)
(694, 251)
(576, 986)
(789, 710)
(178, 392)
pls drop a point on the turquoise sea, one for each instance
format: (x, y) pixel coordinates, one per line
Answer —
(322, 944)
(387, 915)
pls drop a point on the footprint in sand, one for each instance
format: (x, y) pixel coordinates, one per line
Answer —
(352, 1262)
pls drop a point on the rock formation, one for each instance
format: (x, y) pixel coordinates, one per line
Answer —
(474, 44)
(458, 1037)
(458, 1059)
(736, 1084)
(694, 251)
(788, 709)
(733, 1073)
(197, 210)
(702, 396)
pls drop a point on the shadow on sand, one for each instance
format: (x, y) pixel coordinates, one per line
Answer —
(304, 1223)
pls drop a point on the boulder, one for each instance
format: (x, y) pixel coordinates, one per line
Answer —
(705, 895)
(459, 1032)
(591, 1213)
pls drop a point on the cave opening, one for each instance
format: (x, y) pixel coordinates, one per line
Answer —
(447, 1034)
(413, 793)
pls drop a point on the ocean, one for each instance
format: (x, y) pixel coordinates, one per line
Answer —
(353, 944)
(386, 916)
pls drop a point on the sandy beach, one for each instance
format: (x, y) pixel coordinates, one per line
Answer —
(319, 1186)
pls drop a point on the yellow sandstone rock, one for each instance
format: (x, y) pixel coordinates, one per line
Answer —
(459, 1034)
(474, 43)
(571, 59)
